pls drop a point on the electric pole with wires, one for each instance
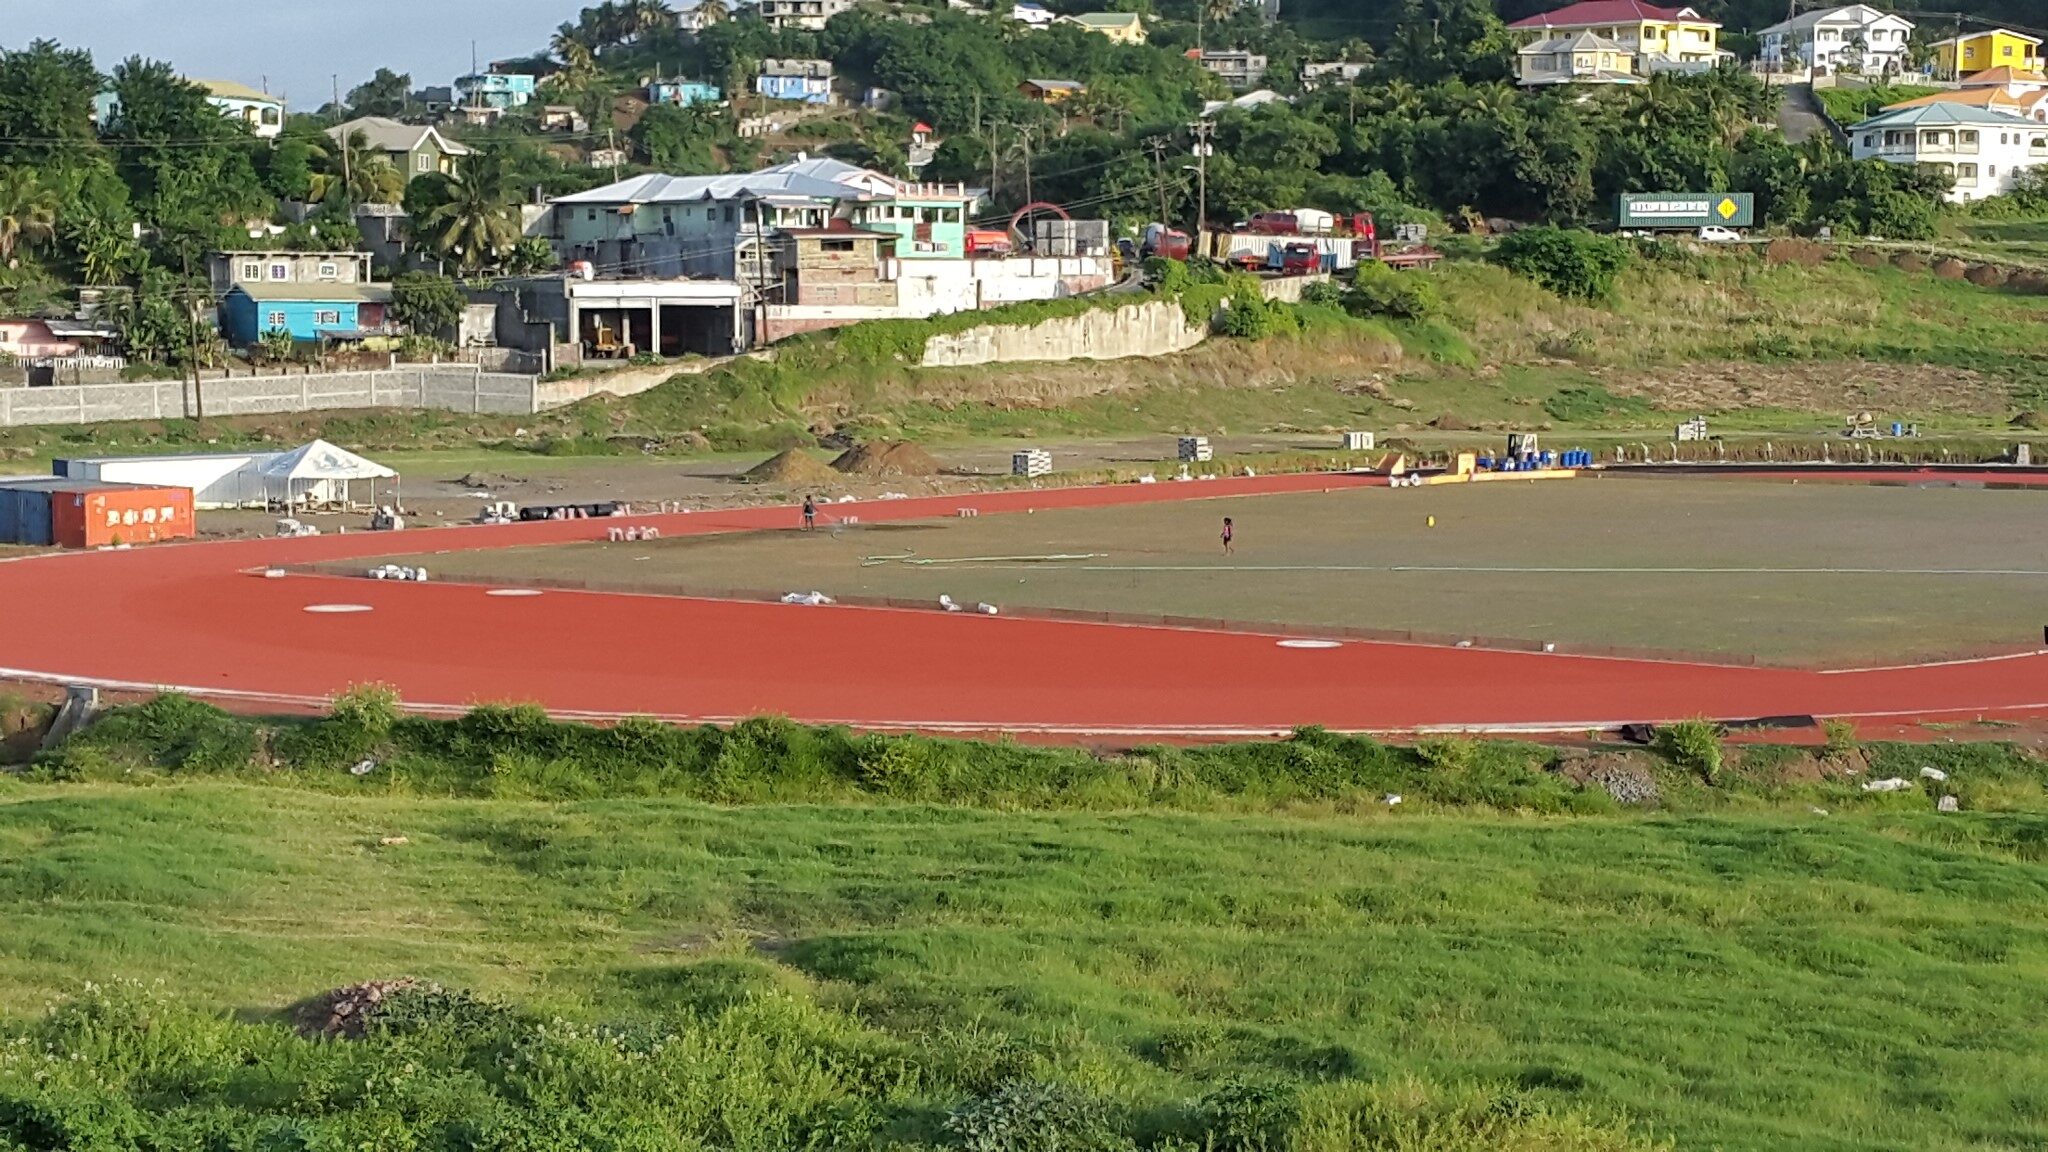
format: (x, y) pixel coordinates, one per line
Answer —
(1202, 129)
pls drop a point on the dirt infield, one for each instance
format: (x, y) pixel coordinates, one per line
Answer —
(209, 619)
(1738, 570)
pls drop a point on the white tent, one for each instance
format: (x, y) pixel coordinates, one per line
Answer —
(321, 474)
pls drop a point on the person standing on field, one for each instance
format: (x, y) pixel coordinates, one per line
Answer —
(810, 513)
(1229, 537)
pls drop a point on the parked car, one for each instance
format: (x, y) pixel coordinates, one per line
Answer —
(1715, 234)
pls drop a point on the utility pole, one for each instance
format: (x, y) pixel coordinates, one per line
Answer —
(1158, 146)
(348, 180)
(611, 145)
(192, 343)
(1024, 138)
(1202, 129)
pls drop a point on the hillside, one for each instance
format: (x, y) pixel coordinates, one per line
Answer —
(1242, 947)
(1375, 19)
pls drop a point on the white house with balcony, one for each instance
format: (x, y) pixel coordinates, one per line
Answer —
(1856, 38)
(1980, 149)
(808, 15)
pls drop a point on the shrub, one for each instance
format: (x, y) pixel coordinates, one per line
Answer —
(1377, 290)
(1033, 1116)
(1324, 293)
(1246, 1116)
(428, 304)
(1841, 737)
(1586, 403)
(1694, 745)
(1570, 262)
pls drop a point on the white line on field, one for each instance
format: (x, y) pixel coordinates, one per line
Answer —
(1501, 569)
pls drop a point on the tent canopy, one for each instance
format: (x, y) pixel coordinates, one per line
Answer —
(323, 461)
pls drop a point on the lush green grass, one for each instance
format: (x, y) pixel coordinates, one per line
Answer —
(1454, 974)
(1776, 981)
(1848, 106)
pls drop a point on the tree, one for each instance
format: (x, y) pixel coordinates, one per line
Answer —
(46, 95)
(353, 172)
(190, 171)
(679, 140)
(1575, 264)
(387, 93)
(712, 12)
(28, 212)
(428, 304)
(477, 226)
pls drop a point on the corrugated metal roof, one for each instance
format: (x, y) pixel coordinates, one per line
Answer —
(316, 293)
(1937, 115)
(67, 484)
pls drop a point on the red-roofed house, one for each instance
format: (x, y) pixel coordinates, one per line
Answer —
(1662, 39)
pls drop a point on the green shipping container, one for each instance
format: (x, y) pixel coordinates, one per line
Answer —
(1686, 210)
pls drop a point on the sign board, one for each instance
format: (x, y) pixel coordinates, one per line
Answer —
(1687, 210)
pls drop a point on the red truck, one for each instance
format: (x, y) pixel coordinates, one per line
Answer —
(1300, 260)
(988, 242)
(1168, 243)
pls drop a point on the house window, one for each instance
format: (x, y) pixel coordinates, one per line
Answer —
(423, 163)
(275, 321)
(1966, 172)
(1968, 139)
(835, 245)
(252, 271)
(327, 319)
(280, 271)
(728, 213)
(2006, 51)
(329, 270)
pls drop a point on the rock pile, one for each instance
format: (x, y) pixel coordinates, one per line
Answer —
(346, 1013)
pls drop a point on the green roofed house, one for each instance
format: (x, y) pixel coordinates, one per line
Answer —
(1980, 150)
(414, 150)
(1122, 27)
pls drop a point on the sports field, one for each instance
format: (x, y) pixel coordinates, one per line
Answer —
(1802, 574)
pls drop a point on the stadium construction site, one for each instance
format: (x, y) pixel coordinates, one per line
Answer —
(1351, 601)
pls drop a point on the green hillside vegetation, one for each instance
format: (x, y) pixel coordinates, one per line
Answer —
(838, 957)
(1846, 106)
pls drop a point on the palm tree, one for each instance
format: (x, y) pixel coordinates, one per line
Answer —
(650, 16)
(355, 173)
(712, 12)
(28, 212)
(477, 226)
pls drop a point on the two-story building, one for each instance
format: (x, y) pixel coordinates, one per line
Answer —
(310, 295)
(1970, 52)
(1239, 68)
(835, 267)
(682, 93)
(802, 81)
(261, 112)
(1979, 149)
(1662, 39)
(1122, 27)
(810, 15)
(502, 91)
(1855, 38)
(1581, 58)
(1314, 76)
(412, 149)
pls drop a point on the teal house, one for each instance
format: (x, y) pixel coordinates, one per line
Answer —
(682, 93)
(929, 221)
(250, 312)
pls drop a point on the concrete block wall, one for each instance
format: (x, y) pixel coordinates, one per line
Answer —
(454, 387)
(1154, 328)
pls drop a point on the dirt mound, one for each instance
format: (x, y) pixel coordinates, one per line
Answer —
(1986, 275)
(1789, 250)
(2034, 420)
(793, 467)
(1865, 258)
(897, 458)
(2029, 283)
(1449, 423)
(348, 1011)
(1950, 268)
(1909, 262)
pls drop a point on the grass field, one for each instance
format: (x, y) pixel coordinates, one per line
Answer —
(1862, 982)
(1806, 573)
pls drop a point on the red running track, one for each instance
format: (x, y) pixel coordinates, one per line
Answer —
(201, 618)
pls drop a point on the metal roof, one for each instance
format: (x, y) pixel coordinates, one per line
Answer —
(1938, 115)
(317, 293)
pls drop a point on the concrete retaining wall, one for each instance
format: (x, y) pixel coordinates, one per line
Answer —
(1153, 328)
(452, 387)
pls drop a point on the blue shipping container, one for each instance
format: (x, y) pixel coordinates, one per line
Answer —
(25, 517)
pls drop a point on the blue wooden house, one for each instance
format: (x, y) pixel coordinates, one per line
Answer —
(807, 81)
(307, 311)
(682, 93)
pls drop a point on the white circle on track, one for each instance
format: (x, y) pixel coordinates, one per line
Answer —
(513, 592)
(1310, 644)
(338, 609)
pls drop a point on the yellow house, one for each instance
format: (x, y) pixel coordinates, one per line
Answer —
(1978, 51)
(1122, 27)
(1661, 39)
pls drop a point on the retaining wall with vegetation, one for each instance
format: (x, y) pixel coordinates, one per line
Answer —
(1151, 328)
(455, 388)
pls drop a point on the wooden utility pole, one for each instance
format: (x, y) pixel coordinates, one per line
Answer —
(1158, 145)
(1202, 130)
(348, 181)
(192, 343)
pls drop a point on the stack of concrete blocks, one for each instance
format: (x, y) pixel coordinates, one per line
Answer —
(1031, 464)
(1195, 450)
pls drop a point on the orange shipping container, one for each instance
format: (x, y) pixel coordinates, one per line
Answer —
(94, 517)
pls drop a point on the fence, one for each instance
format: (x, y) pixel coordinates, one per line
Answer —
(456, 388)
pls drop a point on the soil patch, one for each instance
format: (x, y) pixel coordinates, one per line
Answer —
(895, 458)
(1818, 387)
(793, 467)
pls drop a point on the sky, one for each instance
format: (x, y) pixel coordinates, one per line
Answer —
(297, 46)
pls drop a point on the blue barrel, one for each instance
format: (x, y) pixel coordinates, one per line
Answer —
(1486, 463)
(1898, 429)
